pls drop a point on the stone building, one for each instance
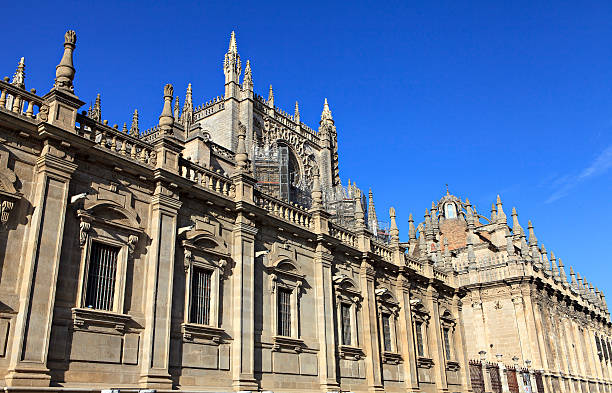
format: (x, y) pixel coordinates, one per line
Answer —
(520, 305)
(219, 251)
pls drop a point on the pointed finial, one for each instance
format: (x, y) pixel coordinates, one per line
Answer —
(326, 115)
(95, 113)
(501, 216)
(64, 72)
(393, 230)
(447, 192)
(19, 75)
(124, 129)
(271, 97)
(411, 228)
(516, 226)
(134, 127)
(232, 66)
(562, 273)
(317, 194)
(241, 154)
(359, 216)
(296, 113)
(532, 237)
(509, 244)
(247, 82)
(166, 120)
(372, 219)
(493, 213)
(176, 108)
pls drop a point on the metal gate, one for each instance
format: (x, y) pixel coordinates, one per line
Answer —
(526, 378)
(512, 381)
(496, 385)
(476, 376)
(539, 382)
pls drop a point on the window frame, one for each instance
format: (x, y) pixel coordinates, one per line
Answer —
(201, 250)
(347, 294)
(285, 274)
(421, 315)
(387, 305)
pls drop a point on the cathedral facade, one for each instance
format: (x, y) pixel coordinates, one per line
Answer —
(220, 251)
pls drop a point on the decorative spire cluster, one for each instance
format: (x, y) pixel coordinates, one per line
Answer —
(326, 115)
(247, 82)
(232, 66)
(372, 220)
(19, 75)
(95, 113)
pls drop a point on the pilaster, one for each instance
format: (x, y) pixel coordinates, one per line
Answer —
(437, 346)
(407, 340)
(370, 328)
(460, 344)
(158, 288)
(40, 264)
(328, 378)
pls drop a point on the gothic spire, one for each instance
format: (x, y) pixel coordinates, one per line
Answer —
(177, 109)
(95, 113)
(19, 75)
(271, 97)
(509, 244)
(372, 220)
(326, 115)
(247, 81)
(532, 237)
(231, 65)
(134, 128)
(64, 72)
(573, 281)
(554, 267)
(187, 114)
(296, 113)
(470, 214)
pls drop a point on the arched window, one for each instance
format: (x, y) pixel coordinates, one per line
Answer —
(450, 210)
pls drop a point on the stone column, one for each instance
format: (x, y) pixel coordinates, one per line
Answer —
(485, 374)
(503, 378)
(542, 334)
(325, 319)
(40, 263)
(406, 340)
(158, 289)
(538, 352)
(479, 323)
(370, 328)
(436, 340)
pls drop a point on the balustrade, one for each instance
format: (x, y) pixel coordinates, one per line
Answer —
(286, 211)
(206, 178)
(22, 102)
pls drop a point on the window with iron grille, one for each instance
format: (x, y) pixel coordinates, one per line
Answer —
(101, 276)
(419, 338)
(447, 348)
(386, 322)
(284, 312)
(346, 323)
(200, 296)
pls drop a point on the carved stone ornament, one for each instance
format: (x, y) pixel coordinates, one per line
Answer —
(84, 227)
(8, 194)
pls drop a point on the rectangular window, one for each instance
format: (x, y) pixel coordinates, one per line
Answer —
(200, 296)
(101, 276)
(346, 324)
(284, 312)
(609, 349)
(599, 352)
(604, 348)
(386, 322)
(447, 347)
(419, 339)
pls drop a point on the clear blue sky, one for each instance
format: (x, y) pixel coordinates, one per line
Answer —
(488, 97)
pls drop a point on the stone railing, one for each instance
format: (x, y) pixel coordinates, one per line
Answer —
(414, 264)
(381, 250)
(222, 151)
(206, 178)
(115, 141)
(283, 210)
(344, 235)
(21, 102)
(440, 275)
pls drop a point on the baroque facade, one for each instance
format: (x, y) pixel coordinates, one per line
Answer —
(219, 251)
